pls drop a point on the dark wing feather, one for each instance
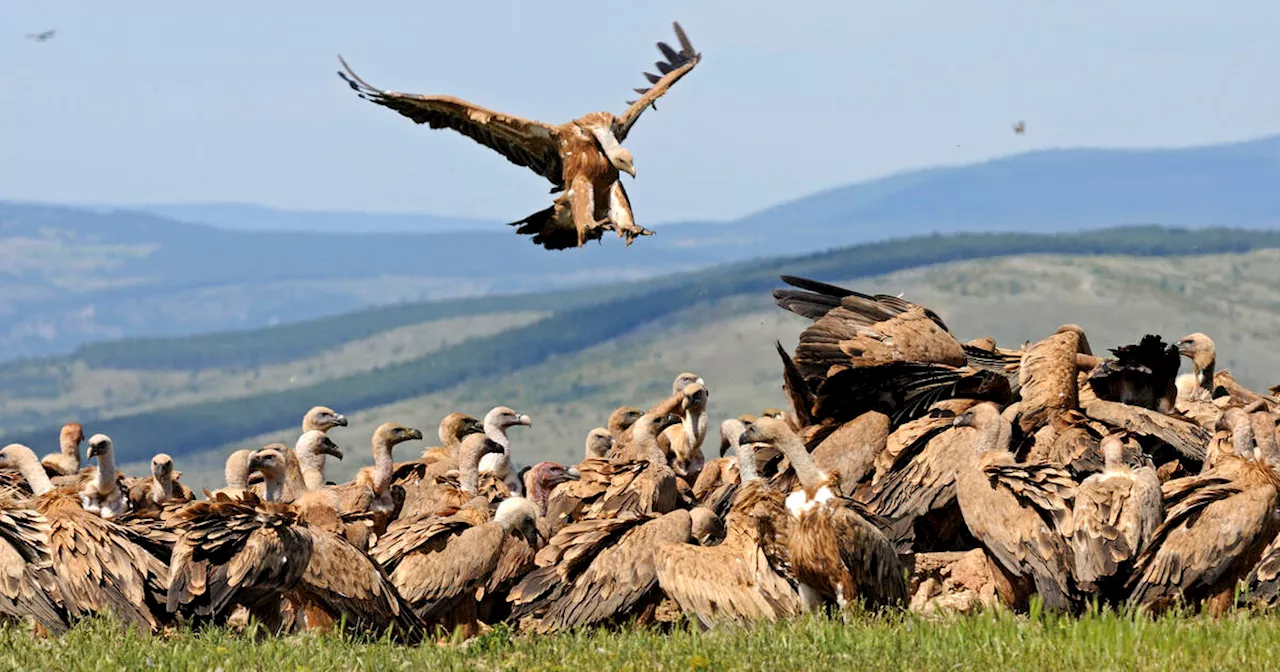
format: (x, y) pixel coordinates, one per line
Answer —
(524, 142)
(678, 65)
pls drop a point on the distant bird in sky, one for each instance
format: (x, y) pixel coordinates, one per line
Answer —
(41, 37)
(1019, 127)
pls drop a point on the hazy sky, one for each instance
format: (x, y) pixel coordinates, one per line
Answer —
(148, 101)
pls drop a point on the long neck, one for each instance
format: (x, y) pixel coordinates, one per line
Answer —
(383, 466)
(498, 435)
(646, 445)
(106, 478)
(293, 476)
(469, 472)
(1204, 375)
(989, 435)
(746, 454)
(37, 478)
(161, 488)
(237, 471)
(800, 460)
(695, 428)
(273, 487)
(71, 448)
(311, 466)
(1242, 436)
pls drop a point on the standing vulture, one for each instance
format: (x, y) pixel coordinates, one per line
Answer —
(581, 158)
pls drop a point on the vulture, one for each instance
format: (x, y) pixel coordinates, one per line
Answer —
(104, 493)
(581, 158)
(496, 424)
(646, 484)
(684, 441)
(370, 491)
(599, 443)
(236, 473)
(160, 488)
(452, 429)
(620, 422)
(98, 568)
(1116, 513)
(322, 419)
(442, 564)
(256, 552)
(29, 585)
(599, 570)
(1216, 527)
(1017, 512)
(746, 577)
(837, 554)
(1202, 352)
(66, 462)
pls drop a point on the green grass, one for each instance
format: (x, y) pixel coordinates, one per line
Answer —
(991, 641)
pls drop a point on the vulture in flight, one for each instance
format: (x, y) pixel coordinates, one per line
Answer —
(582, 158)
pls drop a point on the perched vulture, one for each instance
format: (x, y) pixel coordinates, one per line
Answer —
(28, 583)
(1142, 375)
(746, 577)
(837, 554)
(160, 488)
(105, 493)
(1115, 515)
(581, 158)
(1018, 512)
(98, 567)
(66, 462)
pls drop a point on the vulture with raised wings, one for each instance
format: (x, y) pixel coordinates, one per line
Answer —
(581, 158)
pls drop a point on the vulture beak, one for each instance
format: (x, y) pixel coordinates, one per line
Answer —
(669, 420)
(254, 462)
(340, 420)
(96, 449)
(473, 426)
(525, 420)
(963, 420)
(573, 473)
(330, 448)
(1184, 347)
(631, 170)
(724, 445)
(413, 434)
(752, 435)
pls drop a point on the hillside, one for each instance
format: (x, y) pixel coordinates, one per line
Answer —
(568, 359)
(75, 276)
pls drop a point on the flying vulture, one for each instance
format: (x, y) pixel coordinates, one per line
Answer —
(581, 158)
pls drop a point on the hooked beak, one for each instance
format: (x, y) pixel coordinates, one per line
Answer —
(472, 426)
(963, 420)
(332, 449)
(413, 434)
(1184, 347)
(525, 420)
(96, 449)
(340, 420)
(573, 474)
(631, 170)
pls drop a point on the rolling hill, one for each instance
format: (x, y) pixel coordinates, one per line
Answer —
(568, 358)
(74, 276)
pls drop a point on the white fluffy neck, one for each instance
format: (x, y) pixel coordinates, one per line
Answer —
(105, 480)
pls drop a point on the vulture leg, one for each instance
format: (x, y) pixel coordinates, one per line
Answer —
(583, 200)
(620, 214)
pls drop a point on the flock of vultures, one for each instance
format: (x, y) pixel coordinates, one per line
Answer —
(912, 471)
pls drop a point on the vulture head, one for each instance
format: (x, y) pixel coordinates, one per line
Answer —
(519, 516)
(390, 434)
(99, 445)
(72, 436)
(543, 477)
(707, 528)
(767, 430)
(651, 425)
(731, 431)
(619, 156)
(15, 456)
(981, 415)
(323, 418)
(695, 398)
(1082, 346)
(500, 418)
(270, 462)
(455, 426)
(162, 467)
(599, 443)
(316, 442)
(623, 418)
(684, 380)
(1199, 349)
(237, 468)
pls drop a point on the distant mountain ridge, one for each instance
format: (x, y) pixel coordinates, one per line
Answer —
(73, 276)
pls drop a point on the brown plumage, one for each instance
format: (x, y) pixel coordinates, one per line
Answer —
(851, 450)
(582, 158)
(428, 497)
(440, 562)
(1016, 511)
(647, 484)
(1184, 436)
(1215, 530)
(837, 554)
(1047, 380)
(620, 422)
(617, 582)
(370, 492)
(66, 462)
(1202, 352)
(747, 576)
(1116, 513)
(28, 584)
(322, 419)
(98, 568)
(452, 429)
(683, 443)
(160, 488)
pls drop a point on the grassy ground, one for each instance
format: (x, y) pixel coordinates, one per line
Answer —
(983, 642)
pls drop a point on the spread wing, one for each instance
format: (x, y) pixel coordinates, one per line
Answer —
(677, 65)
(524, 142)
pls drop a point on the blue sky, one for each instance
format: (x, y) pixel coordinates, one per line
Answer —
(147, 101)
